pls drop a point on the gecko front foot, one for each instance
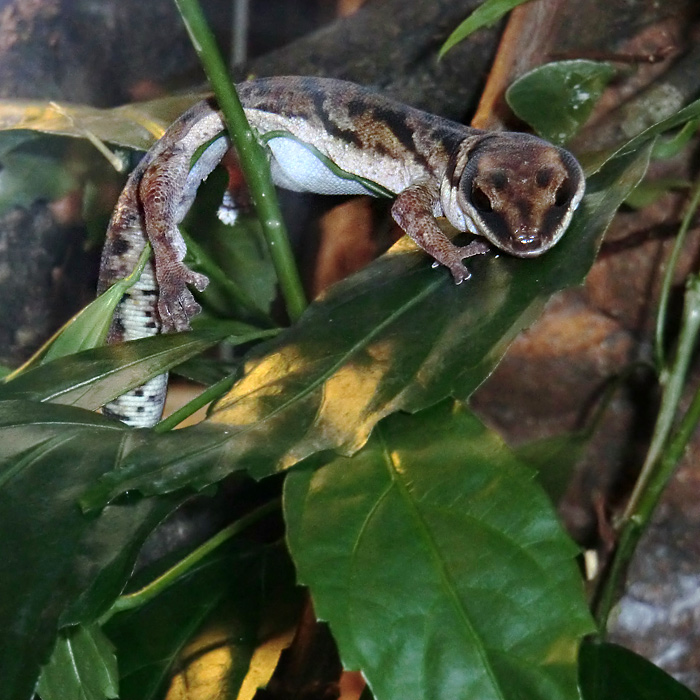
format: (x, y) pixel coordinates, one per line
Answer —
(459, 270)
(176, 304)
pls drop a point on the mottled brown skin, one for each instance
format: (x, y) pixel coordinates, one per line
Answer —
(516, 191)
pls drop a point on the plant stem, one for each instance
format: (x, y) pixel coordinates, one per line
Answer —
(662, 458)
(660, 342)
(207, 396)
(253, 158)
(672, 392)
(165, 580)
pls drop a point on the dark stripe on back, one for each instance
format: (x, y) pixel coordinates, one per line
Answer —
(329, 125)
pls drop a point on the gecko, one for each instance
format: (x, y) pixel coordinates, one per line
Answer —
(515, 192)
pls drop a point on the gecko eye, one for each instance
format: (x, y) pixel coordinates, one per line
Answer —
(563, 194)
(480, 199)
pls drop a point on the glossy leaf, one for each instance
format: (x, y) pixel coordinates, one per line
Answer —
(31, 173)
(650, 191)
(673, 145)
(557, 98)
(82, 667)
(488, 13)
(88, 328)
(134, 126)
(398, 335)
(59, 566)
(594, 162)
(234, 258)
(554, 459)
(216, 609)
(440, 564)
(91, 378)
(611, 672)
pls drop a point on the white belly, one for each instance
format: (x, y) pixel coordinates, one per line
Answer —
(301, 168)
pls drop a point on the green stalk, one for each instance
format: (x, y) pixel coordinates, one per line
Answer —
(674, 383)
(661, 461)
(207, 396)
(671, 264)
(165, 580)
(253, 158)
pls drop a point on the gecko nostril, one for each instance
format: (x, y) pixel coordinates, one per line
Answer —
(480, 199)
(544, 177)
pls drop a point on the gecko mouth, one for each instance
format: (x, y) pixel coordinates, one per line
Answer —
(525, 244)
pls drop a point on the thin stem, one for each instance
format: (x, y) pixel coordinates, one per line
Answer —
(662, 458)
(252, 157)
(636, 525)
(673, 389)
(165, 580)
(660, 342)
(206, 397)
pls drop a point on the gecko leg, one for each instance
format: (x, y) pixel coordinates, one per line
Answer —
(414, 212)
(159, 191)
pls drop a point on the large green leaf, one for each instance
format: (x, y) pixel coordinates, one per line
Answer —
(82, 667)
(221, 602)
(134, 126)
(554, 459)
(399, 335)
(59, 566)
(91, 378)
(611, 672)
(440, 565)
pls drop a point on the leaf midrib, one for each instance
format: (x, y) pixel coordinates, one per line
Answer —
(445, 578)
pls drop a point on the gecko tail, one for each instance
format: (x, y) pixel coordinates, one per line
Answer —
(141, 407)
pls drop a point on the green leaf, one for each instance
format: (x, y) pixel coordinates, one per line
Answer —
(440, 564)
(59, 566)
(398, 335)
(88, 328)
(485, 15)
(611, 672)
(594, 162)
(82, 667)
(91, 378)
(219, 606)
(133, 126)
(557, 98)
(648, 192)
(673, 145)
(554, 458)
(37, 171)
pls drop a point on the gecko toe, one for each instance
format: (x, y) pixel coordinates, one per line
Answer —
(176, 308)
(474, 248)
(199, 282)
(460, 273)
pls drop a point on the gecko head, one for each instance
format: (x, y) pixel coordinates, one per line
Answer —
(519, 192)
